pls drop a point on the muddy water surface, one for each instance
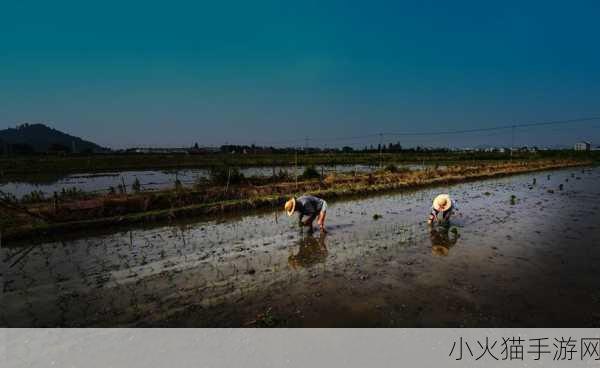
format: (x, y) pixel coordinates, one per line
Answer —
(528, 260)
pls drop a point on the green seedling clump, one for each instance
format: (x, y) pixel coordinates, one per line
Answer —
(377, 216)
(513, 199)
(266, 320)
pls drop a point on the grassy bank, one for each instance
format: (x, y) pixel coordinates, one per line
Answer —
(51, 165)
(60, 218)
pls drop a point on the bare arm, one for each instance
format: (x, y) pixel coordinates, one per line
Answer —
(432, 216)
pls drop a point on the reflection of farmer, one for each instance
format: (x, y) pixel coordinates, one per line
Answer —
(442, 241)
(310, 252)
(442, 209)
(309, 206)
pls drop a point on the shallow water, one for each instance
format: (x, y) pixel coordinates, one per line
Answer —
(501, 262)
(150, 179)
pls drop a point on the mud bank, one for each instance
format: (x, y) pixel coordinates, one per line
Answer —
(169, 206)
(520, 252)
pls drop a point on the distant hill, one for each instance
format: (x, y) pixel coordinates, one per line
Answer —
(40, 138)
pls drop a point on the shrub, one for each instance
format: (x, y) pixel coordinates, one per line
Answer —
(33, 197)
(391, 168)
(282, 175)
(136, 186)
(310, 173)
(71, 193)
(8, 197)
(178, 185)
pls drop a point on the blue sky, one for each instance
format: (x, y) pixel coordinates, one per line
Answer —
(174, 73)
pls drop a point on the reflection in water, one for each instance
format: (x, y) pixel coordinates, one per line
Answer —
(312, 250)
(442, 239)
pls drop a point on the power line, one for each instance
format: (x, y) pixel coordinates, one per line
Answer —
(430, 133)
(503, 127)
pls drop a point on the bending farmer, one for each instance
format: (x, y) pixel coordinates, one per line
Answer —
(309, 206)
(442, 209)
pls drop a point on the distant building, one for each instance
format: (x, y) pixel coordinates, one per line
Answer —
(583, 146)
(196, 150)
(158, 150)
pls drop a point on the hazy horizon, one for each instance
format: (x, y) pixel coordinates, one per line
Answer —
(124, 75)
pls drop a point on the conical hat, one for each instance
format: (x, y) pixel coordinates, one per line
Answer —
(442, 202)
(290, 206)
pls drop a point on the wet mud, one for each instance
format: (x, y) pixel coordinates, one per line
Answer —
(520, 251)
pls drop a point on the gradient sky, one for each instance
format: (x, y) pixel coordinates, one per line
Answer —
(174, 73)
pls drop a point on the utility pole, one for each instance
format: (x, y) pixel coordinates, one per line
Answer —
(380, 150)
(296, 164)
(512, 141)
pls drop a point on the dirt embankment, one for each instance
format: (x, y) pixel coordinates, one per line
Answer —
(61, 217)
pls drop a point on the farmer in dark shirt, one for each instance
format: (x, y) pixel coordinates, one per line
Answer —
(309, 206)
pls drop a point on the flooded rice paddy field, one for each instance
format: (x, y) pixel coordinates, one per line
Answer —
(152, 179)
(521, 251)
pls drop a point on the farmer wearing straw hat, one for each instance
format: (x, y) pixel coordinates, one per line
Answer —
(309, 206)
(442, 209)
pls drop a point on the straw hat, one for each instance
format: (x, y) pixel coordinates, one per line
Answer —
(290, 206)
(442, 202)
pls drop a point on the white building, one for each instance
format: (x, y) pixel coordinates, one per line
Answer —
(583, 146)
